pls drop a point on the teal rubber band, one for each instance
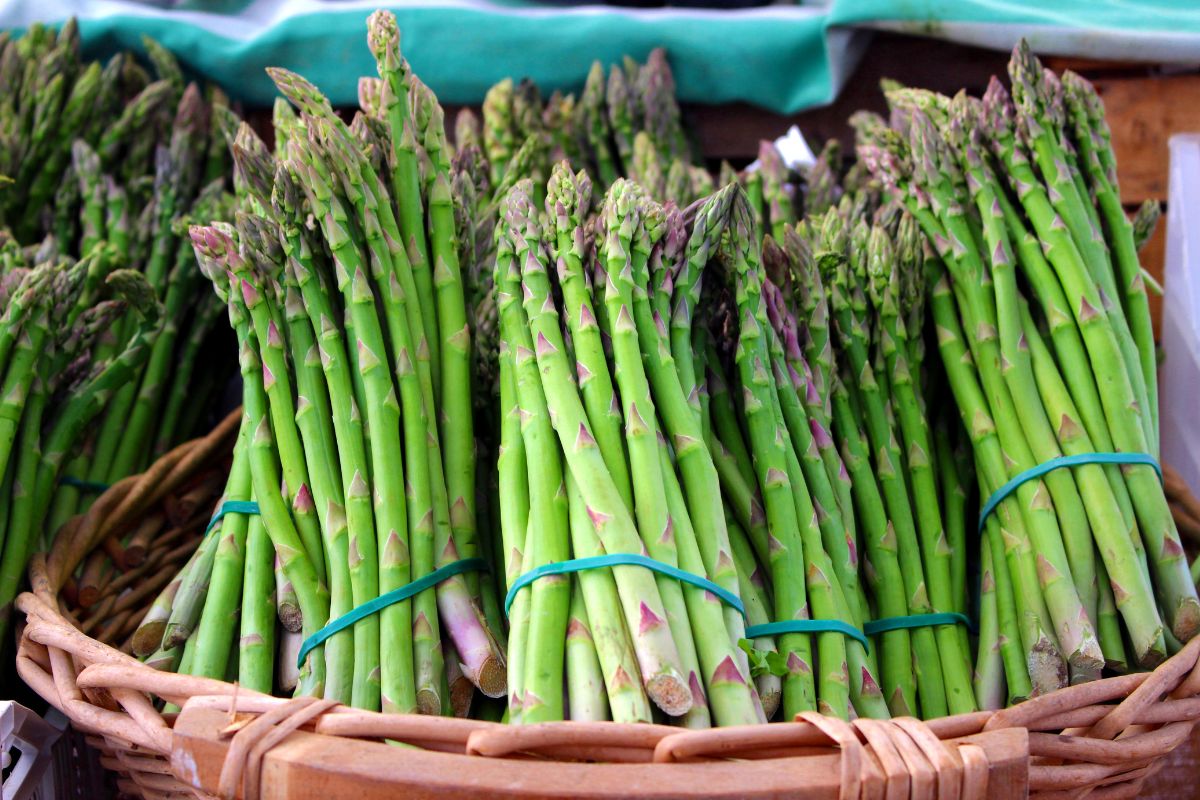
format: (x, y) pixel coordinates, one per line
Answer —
(388, 598)
(616, 560)
(917, 621)
(231, 507)
(84, 485)
(809, 626)
(1058, 463)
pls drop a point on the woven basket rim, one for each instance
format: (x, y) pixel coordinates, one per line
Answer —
(106, 692)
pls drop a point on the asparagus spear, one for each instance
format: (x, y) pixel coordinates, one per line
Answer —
(223, 590)
(499, 140)
(1092, 138)
(989, 665)
(622, 677)
(567, 199)
(919, 450)
(384, 39)
(216, 251)
(303, 270)
(550, 596)
(931, 687)
(1117, 394)
(596, 126)
(782, 497)
(1040, 118)
(585, 683)
(640, 601)
(256, 634)
(77, 411)
(382, 421)
(474, 643)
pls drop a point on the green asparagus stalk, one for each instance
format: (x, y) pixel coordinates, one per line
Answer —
(781, 497)
(223, 591)
(499, 139)
(657, 525)
(475, 645)
(77, 411)
(990, 688)
(348, 430)
(1092, 138)
(382, 422)
(585, 682)
(682, 424)
(622, 677)
(1117, 394)
(1016, 671)
(841, 549)
(1137, 607)
(1018, 373)
(931, 686)
(313, 419)
(384, 40)
(567, 200)
(215, 251)
(256, 633)
(513, 479)
(640, 601)
(596, 126)
(542, 699)
(1145, 222)
(1040, 118)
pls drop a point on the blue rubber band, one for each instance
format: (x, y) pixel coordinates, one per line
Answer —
(231, 507)
(1058, 463)
(616, 560)
(809, 626)
(84, 485)
(917, 621)
(388, 598)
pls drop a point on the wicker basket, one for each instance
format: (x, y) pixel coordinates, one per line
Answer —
(1099, 740)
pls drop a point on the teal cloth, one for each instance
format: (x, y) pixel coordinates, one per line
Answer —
(782, 57)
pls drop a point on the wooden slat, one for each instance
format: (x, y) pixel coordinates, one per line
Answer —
(1095, 65)
(1143, 114)
(309, 766)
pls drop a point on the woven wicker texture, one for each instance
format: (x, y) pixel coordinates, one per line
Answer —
(1096, 740)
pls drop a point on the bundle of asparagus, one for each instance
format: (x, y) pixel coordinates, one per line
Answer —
(56, 381)
(629, 125)
(98, 165)
(684, 338)
(626, 641)
(826, 367)
(355, 367)
(1040, 310)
